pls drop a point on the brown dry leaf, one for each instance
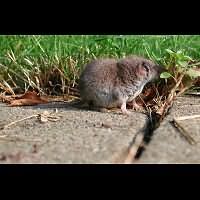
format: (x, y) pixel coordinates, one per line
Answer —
(29, 95)
(43, 119)
(53, 119)
(145, 97)
(26, 102)
(28, 99)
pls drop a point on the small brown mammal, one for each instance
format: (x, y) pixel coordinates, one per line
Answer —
(108, 83)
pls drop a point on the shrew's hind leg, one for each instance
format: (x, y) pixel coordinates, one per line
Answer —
(136, 107)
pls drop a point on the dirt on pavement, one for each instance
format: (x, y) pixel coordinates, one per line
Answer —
(83, 136)
(79, 136)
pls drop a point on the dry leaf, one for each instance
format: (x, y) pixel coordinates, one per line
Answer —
(145, 97)
(44, 116)
(28, 99)
(43, 119)
(47, 116)
(54, 119)
(29, 95)
(26, 102)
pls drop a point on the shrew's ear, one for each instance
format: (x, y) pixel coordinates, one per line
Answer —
(143, 69)
(146, 66)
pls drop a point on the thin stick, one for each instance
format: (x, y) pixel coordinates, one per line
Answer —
(171, 95)
(186, 117)
(143, 102)
(193, 93)
(184, 132)
(169, 101)
(3, 136)
(10, 124)
(14, 139)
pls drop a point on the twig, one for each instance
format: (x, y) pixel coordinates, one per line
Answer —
(171, 95)
(186, 117)
(169, 101)
(143, 102)
(193, 93)
(184, 132)
(182, 91)
(14, 139)
(10, 124)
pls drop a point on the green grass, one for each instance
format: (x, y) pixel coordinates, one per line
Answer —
(52, 64)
